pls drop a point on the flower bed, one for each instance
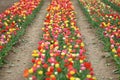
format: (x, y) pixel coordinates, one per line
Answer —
(107, 21)
(115, 4)
(61, 52)
(13, 23)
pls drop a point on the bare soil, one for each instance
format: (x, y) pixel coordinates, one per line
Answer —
(4, 4)
(103, 67)
(19, 57)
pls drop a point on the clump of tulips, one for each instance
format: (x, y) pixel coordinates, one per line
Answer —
(13, 21)
(109, 21)
(116, 2)
(61, 52)
(12, 17)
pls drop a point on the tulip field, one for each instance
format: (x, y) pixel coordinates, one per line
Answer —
(61, 52)
(107, 19)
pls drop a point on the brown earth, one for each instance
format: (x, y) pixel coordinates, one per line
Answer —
(4, 4)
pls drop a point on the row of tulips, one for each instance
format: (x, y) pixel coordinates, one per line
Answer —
(61, 52)
(13, 23)
(115, 4)
(107, 21)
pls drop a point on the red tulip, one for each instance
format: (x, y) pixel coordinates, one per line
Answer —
(87, 65)
(1, 47)
(59, 70)
(45, 66)
(48, 73)
(33, 60)
(54, 78)
(51, 68)
(118, 50)
(47, 79)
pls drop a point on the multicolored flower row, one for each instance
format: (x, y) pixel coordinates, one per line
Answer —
(12, 17)
(61, 52)
(109, 21)
(115, 4)
(13, 21)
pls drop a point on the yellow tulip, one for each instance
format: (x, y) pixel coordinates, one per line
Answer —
(115, 55)
(57, 65)
(89, 76)
(94, 78)
(70, 59)
(72, 78)
(114, 50)
(35, 55)
(31, 71)
(39, 62)
(82, 44)
(5, 23)
(64, 46)
(77, 78)
(40, 72)
(81, 61)
(62, 53)
(52, 76)
(72, 72)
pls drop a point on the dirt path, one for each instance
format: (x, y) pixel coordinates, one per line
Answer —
(20, 56)
(94, 48)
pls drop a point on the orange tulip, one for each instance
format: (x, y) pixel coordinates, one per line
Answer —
(26, 73)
